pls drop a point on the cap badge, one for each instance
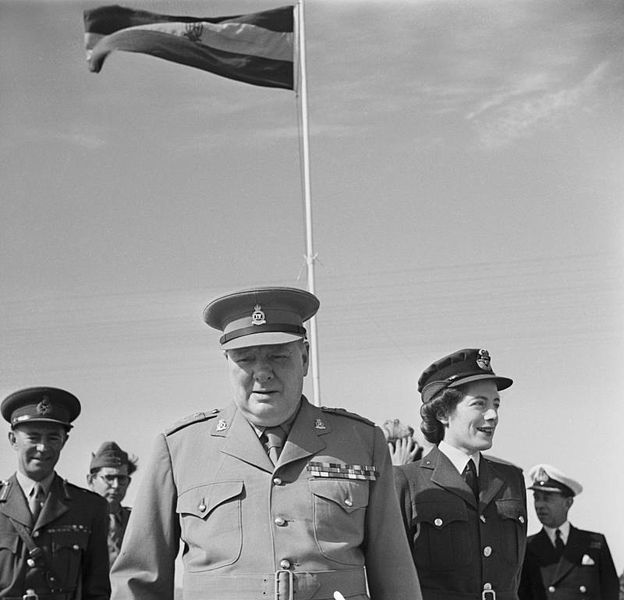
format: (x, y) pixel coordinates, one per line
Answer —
(44, 407)
(222, 425)
(257, 316)
(541, 476)
(483, 360)
(320, 424)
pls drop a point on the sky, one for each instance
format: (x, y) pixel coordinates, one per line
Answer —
(466, 165)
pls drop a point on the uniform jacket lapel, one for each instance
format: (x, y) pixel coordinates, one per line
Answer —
(490, 482)
(241, 441)
(445, 475)
(16, 506)
(55, 504)
(304, 438)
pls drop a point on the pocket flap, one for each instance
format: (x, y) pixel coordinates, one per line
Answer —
(9, 541)
(62, 538)
(441, 514)
(511, 508)
(349, 495)
(202, 500)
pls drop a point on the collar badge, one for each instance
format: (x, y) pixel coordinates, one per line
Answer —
(222, 425)
(257, 316)
(483, 360)
(320, 424)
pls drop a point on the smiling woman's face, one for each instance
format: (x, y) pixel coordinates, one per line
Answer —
(268, 380)
(471, 424)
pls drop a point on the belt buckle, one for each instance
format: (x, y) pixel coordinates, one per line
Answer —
(278, 596)
(488, 595)
(30, 595)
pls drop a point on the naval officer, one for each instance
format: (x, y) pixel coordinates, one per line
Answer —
(568, 563)
(52, 533)
(464, 511)
(269, 496)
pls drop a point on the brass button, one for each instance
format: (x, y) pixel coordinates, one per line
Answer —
(487, 551)
(277, 481)
(482, 518)
(285, 564)
(487, 586)
(438, 522)
(521, 519)
(280, 522)
(30, 562)
(582, 589)
(348, 502)
(76, 547)
(201, 507)
(551, 588)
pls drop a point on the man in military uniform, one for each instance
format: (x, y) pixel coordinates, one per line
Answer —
(52, 533)
(572, 563)
(464, 512)
(270, 496)
(109, 476)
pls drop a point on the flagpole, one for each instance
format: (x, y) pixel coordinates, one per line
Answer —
(310, 255)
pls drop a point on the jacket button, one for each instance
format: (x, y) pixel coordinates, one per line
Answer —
(487, 586)
(201, 507)
(30, 562)
(487, 551)
(438, 522)
(551, 589)
(521, 519)
(280, 522)
(277, 481)
(285, 564)
(482, 518)
(582, 589)
(348, 502)
(36, 534)
(76, 547)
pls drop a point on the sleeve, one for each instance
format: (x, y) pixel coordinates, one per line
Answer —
(402, 487)
(609, 583)
(389, 565)
(145, 567)
(95, 582)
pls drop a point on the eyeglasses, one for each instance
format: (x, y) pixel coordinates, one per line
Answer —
(110, 479)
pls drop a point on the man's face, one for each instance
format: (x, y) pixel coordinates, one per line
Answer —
(471, 424)
(111, 483)
(552, 507)
(38, 447)
(268, 380)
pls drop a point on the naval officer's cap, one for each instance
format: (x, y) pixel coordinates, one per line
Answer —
(547, 478)
(458, 368)
(40, 405)
(261, 316)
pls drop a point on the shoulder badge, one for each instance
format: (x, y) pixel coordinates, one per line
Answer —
(345, 413)
(190, 419)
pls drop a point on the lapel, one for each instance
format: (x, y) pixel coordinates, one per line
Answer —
(446, 476)
(543, 548)
(55, 504)
(490, 482)
(241, 441)
(571, 556)
(304, 438)
(16, 506)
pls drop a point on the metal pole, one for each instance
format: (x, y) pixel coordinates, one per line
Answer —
(310, 256)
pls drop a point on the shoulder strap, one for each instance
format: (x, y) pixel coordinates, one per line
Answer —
(37, 555)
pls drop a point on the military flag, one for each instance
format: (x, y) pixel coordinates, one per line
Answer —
(254, 48)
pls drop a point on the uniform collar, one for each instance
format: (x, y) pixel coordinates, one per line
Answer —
(459, 458)
(564, 528)
(28, 484)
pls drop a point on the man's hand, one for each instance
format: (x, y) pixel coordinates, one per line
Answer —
(403, 451)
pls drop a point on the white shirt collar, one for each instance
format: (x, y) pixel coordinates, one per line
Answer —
(457, 457)
(564, 528)
(28, 484)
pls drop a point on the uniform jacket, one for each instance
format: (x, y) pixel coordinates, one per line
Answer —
(71, 531)
(461, 548)
(585, 571)
(114, 545)
(241, 519)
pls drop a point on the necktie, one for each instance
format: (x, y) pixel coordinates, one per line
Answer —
(274, 437)
(35, 500)
(114, 536)
(470, 477)
(558, 543)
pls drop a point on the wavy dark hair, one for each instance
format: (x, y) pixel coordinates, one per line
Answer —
(439, 406)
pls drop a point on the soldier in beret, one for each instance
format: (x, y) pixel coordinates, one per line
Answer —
(52, 533)
(571, 563)
(270, 496)
(464, 512)
(110, 474)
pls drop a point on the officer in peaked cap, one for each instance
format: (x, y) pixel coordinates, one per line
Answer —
(565, 562)
(464, 512)
(270, 495)
(53, 532)
(110, 474)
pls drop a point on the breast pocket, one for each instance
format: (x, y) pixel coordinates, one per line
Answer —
(443, 537)
(68, 546)
(339, 511)
(9, 547)
(512, 523)
(210, 517)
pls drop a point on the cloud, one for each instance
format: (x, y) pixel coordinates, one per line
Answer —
(520, 111)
